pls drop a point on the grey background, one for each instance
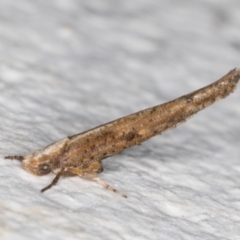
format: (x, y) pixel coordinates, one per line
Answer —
(67, 66)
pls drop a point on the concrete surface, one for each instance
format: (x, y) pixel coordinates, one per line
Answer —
(67, 66)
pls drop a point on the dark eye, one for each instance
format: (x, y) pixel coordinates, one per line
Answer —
(44, 169)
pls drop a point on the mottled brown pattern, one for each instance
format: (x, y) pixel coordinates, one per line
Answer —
(81, 154)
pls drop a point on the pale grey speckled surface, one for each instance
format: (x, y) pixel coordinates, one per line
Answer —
(66, 66)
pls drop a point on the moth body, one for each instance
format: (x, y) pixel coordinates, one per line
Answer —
(82, 153)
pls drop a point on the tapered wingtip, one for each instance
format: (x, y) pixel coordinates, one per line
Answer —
(235, 73)
(234, 70)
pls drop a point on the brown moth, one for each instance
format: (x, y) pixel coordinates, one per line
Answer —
(81, 154)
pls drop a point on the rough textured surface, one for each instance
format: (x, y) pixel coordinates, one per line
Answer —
(67, 66)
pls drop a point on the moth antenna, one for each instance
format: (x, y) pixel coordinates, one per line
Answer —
(20, 158)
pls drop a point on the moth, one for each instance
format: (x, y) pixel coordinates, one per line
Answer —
(82, 154)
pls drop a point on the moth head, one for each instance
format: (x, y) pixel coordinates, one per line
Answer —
(42, 162)
(37, 163)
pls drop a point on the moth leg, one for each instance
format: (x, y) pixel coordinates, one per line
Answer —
(90, 174)
(49, 186)
(20, 158)
(107, 186)
(54, 182)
